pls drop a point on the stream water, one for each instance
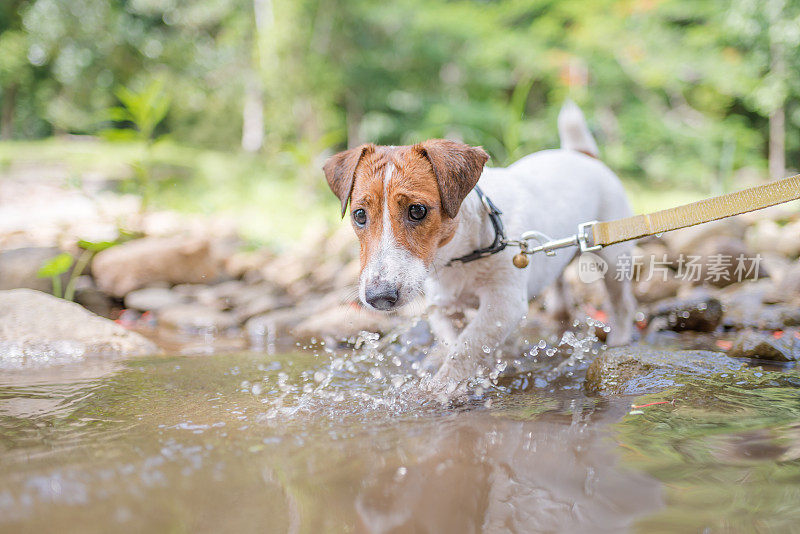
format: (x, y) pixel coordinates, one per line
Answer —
(318, 440)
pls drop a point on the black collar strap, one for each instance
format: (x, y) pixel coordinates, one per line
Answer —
(499, 242)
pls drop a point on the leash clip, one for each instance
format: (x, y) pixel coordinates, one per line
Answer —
(549, 245)
(585, 234)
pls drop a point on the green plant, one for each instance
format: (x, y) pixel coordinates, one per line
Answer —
(55, 267)
(143, 110)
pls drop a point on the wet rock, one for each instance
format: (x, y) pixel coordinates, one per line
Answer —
(750, 344)
(152, 299)
(635, 370)
(38, 328)
(196, 318)
(19, 268)
(700, 313)
(139, 263)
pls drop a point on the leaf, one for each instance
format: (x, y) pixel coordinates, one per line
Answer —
(118, 114)
(95, 246)
(55, 266)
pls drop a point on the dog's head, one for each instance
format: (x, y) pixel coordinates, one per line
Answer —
(403, 206)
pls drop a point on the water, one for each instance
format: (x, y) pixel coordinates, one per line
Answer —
(322, 440)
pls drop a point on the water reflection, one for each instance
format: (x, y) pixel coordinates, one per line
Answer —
(333, 441)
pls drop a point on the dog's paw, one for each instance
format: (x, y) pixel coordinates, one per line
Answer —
(434, 359)
(445, 391)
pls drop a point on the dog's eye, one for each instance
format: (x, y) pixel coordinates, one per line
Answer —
(360, 217)
(417, 212)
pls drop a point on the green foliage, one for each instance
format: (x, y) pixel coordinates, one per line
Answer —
(144, 110)
(678, 92)
(61, 264)
(54, 268)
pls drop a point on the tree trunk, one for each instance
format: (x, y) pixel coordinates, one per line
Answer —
(253, 108)
(7, 114)
(253, 116)
(777, 118)
(353, 116)
(777, 143)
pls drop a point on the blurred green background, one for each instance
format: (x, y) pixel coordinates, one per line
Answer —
(232, 105)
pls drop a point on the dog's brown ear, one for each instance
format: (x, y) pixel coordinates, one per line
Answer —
(457, 168)
(340, 170)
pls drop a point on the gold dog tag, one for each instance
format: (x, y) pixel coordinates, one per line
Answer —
(520, 261)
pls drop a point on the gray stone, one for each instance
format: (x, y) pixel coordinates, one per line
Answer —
(725, 261)
(635, 370)
(265, 329)
(343, 322)
(196, 318)
(686, 241)
(789, 287)
(38, 328)
(766, 347)
(19, 268)
(152, 299)
(739, 316)
(700, 313)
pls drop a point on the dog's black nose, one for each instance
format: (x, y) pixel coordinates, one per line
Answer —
(382, 297)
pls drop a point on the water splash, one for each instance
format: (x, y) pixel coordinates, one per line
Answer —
(374, 375)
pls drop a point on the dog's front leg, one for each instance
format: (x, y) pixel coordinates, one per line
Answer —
(500, 312)
(445, 334)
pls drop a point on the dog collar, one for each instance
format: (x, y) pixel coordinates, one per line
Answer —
(499, 242)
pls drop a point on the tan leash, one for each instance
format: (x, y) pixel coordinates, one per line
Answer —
(595, 235)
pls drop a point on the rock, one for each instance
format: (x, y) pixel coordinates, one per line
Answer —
(740, 316)
(725, 261)
(340, 323)
(259, 304)
(38, 328)
(701, 313)
(196, 318)
(152, 299)
(18, 268)
(751, 344)
(653, 289)
(91, 298)
(687, 241)
(635, 370)
(141, 262)
(266, 329)
(789, 287)
(241, 263)
(223, 295)
(768, 236)
(789, 241)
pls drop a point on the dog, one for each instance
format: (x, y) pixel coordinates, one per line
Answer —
(415, 208)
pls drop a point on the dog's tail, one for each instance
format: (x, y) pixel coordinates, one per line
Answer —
(573, 130)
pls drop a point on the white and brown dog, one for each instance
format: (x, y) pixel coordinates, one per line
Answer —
(414, 209)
